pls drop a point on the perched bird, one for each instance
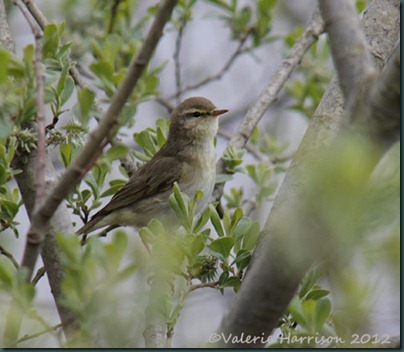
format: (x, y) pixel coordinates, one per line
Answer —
(188, 158)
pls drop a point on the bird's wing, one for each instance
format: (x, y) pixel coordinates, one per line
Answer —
(156, 176)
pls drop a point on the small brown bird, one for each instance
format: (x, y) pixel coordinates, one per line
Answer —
(188, 158)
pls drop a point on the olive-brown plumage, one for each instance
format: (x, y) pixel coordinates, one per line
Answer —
(188, 158)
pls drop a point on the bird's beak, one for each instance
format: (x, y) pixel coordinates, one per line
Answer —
(219, 112)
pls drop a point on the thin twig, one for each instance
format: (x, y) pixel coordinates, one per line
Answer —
(9, 256)
(164, 102)
(270, 92)
(204, 285)
(177, 58)
(40, 333)
(223, 70)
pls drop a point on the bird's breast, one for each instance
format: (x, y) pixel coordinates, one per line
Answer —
(200, 173)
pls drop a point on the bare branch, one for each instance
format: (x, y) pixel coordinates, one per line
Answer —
(270, 92)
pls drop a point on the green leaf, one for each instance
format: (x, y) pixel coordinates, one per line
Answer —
(66, 154)
(147, 235)
(10, 207)
(296, 310)
(242, 259)
(196, 246)
(242, 228)
(250, 238)
(70, 247)
(215, 219)
(202, 220)
(86, 99)
(237, 215)
(103, 69)
(85, 195)
(322, 313)
(116, 152)
(51, 41)
(99, 171)
(222, 246)
(232, 281)
(182, 200)
(67, 91)
(317, 294)
(7, 271)
(28, 55)
(308, 281)
(64, 50)
(223, 277)
(157, 227)
(222, 178)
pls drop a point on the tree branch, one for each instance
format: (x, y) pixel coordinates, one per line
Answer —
(40, 104)
(270, 92)
(349, 50)
(364, 93)
(277, 267)
(384, 101)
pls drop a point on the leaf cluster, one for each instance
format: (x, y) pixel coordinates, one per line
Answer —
(309, 315)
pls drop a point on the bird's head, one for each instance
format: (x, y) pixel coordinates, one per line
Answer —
(195, 118)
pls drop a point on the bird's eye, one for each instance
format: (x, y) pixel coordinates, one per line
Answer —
(196, 114)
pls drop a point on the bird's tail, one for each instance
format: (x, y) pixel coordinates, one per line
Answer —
(89, 227)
